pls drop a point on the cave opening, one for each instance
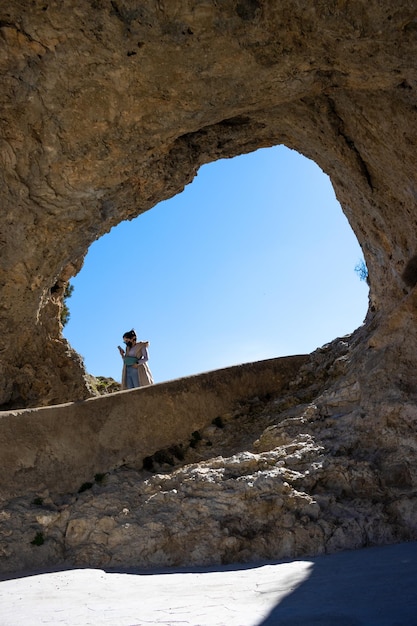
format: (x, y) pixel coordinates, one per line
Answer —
(253, 260)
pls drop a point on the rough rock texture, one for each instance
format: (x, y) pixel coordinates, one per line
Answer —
(60, 447)
(108, 107)
(277, 478)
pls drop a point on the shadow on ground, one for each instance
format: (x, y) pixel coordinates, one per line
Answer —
(374, 586)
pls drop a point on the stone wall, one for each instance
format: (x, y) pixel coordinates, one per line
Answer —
(299, 471)
(61, 447)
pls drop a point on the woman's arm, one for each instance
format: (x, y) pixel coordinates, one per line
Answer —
(143, 355)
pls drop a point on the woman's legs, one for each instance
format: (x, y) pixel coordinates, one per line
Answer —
(132, 378)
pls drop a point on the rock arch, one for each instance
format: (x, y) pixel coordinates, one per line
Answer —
(109, 107)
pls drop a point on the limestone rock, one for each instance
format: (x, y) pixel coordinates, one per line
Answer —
(269, 480)
(110, 107)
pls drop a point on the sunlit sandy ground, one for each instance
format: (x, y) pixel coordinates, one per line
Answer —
(374, 586)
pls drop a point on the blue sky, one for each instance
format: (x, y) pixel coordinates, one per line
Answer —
(253, 260)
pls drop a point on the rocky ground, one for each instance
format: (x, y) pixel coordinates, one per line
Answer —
(278, 477)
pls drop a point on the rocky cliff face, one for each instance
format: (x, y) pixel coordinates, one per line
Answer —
(302, 472)
(109, 107)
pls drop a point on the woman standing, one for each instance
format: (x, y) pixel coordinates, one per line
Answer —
(136, 372)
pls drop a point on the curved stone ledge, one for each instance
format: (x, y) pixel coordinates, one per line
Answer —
(61, 447)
